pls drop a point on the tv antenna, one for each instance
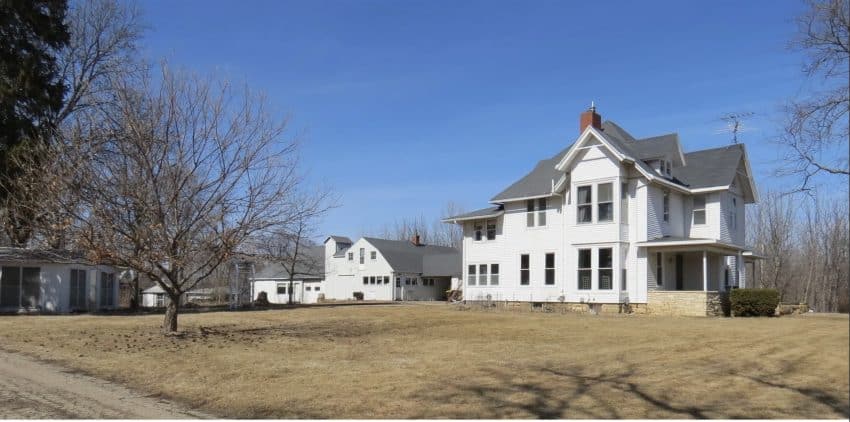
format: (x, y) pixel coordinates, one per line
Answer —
(735, 123)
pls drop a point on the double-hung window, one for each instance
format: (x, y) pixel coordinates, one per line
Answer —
(107, 289)
(491, 229)
(372, 280)
(362, 256)
(541, 211)
(471, 275)
(605, 269)
(524, 270)
(605, 204)
(373, 255)
(624, 203)
(665, 199)
(535, 207)
(351, 256)
(584, 203)
(699, 209)
(585, 271)
(482, 275)
(550, 268)
(733, 214)
(365, 280)
(478, 230)
(494, 274)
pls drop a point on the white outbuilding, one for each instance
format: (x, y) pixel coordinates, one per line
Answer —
(54, 281)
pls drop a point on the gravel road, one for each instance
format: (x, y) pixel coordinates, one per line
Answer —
(30, 389)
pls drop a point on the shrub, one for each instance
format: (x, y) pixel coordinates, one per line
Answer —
(358, 295)
(754, 302)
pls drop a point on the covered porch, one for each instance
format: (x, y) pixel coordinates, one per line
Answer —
(706, 265)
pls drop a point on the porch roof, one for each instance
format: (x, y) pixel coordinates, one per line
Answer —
(687, 243)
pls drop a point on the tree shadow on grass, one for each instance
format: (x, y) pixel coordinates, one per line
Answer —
(576, 392)
(546, 393)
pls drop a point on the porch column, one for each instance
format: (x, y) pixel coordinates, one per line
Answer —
(704, 271)
(740, 267)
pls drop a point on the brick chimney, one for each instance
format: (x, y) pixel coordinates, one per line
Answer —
(590, 118)
(415, 240)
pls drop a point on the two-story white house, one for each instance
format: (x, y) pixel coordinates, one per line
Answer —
(382, 269)
(615, 220)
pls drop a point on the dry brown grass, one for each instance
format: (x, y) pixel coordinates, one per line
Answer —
(432, 361)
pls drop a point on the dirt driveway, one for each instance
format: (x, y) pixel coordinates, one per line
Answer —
(35, 390)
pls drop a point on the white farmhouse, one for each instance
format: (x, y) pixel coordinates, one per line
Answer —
(615, 220)
(54, 281)
(381, 269)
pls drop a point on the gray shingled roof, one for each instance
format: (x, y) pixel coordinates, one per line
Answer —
(710, 167)
(23, 255)
(404, 256)
(339, 239)
(713, 167)
(484, 212)
(538, 182)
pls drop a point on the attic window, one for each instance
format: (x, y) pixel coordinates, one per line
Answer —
(668, 168)
(663, 168)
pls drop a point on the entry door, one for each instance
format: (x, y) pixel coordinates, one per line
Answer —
(679, 272)
(398, 291)
(296, 293)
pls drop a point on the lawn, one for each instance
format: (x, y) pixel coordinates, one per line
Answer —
(434, 361)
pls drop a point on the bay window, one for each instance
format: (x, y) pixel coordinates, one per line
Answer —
(482, 275)
(471, 275)
(494, 274)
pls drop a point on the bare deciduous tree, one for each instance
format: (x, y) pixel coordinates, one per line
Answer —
(182, 172)
(102, 48)
(290, 244)
(436, 233)
(816, 131)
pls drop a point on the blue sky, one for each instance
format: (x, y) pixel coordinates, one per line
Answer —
(405, 105)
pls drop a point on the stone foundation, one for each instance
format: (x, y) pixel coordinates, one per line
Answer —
(556, 307)
(681, 303)
(678, 303)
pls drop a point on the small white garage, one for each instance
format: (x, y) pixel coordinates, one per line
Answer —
(306, 287)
